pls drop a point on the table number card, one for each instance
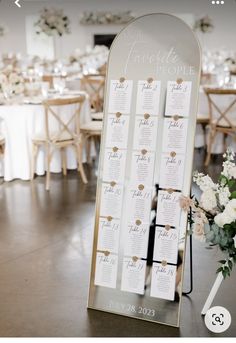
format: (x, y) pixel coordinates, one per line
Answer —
(108, 234)
(148, 97)
(133, 275)
(178, 98)
(106, 269)
(175, 135)
(145, 132)
(114, 165)
(142, 167)
(172, 171)
(117, 130)
(163, 281)
(120, 96)
(111, 200)
(168, 208)
(139, 203)
(136, 239)
(166, 244)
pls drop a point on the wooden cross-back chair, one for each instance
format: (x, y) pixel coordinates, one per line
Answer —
(220, 120)
(94, 86)
(66, 134)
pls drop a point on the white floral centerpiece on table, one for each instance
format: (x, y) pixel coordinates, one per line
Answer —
(53, 21)
(11, 83)
(214, 215)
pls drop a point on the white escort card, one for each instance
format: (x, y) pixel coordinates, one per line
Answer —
(120, 96)
(178, 98)
(163, 281)
(117, 130)
(145, 132)
(138, 204)
(136, 239)
(172, 171)
(148, 97)
(108, 234)
(166, 244)
(175, 135)
(106, 270)
(114, 165)
(142, 167)
(111, 200)
(168, 208)
(133, 275)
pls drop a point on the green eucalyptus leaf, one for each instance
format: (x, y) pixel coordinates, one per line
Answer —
(230, 263)
(233, 195)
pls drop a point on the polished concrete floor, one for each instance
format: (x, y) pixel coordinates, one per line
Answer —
(45, 251)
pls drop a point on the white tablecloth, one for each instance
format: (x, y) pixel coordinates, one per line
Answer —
(203, 113)
(19, 124)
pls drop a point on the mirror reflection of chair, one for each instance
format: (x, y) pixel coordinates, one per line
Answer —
(67, 134)
(91, 133)
(220, 120)
(94, 86)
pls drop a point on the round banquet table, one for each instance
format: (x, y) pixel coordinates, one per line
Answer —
(19, 123)
(203, 113)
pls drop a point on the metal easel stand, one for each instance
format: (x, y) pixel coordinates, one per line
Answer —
(191, 265)
(190, 257)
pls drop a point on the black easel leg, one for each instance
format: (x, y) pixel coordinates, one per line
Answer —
(191, 265)
(190, 255)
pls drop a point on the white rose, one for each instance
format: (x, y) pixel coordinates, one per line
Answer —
(220, 219)
(230, 209)
(208, 200)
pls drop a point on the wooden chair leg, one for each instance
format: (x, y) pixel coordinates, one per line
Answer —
(209, 146)
(88, 149)
(34, 159)
(80, 164)
(48, 161)
(64, 162)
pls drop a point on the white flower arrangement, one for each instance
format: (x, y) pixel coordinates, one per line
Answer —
(204, 24)
(104, 18)
(214, 215)
(12, 83)
(53, 21)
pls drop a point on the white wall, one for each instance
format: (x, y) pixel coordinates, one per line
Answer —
(223, 17)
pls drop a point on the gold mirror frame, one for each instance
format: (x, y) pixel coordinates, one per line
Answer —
(152, 47)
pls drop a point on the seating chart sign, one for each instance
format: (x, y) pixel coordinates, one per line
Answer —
(145, 168)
